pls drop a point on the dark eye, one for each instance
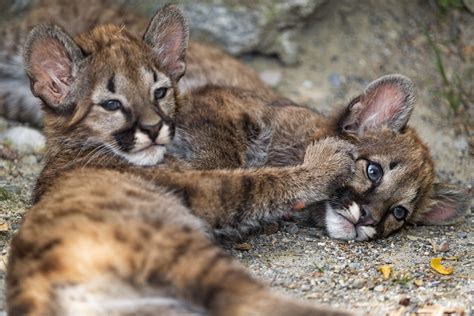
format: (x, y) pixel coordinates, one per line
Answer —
(399, 212)
(374, 172)
(160, 93)
(111, 105)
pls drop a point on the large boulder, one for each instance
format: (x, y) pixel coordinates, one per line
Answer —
(245, 26)
(264, 26)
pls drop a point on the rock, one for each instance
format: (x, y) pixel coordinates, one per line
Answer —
(462, 235)
(354, 265)
(3, 124)
(404, 301)
(270, 228)
(292, 228)
(29, 160)
(469, 5)
(379, 288)
(10, 188)
(443, 247)
(271, 77)
(25, 140)
(358, 283)
(263, 26)
(335, 80)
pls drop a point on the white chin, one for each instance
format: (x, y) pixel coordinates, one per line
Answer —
(147, 157)
(340, 228)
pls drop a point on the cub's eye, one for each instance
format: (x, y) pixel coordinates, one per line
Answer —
(111, 105)
(160, 93)
(400, 212)
(374, 172)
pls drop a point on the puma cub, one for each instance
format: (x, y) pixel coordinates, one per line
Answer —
(108, 235)
(223, 127)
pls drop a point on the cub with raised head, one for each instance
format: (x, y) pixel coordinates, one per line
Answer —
(109, 236)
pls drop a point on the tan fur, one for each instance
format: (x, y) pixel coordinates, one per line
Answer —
(104, 226)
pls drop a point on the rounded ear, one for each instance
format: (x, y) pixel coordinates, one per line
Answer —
(168, 35)
(386, 102)
(446, 205)
(51, 60)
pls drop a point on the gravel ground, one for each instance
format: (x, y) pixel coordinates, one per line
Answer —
(346, 45)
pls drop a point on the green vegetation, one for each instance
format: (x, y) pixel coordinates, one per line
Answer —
(452, 89)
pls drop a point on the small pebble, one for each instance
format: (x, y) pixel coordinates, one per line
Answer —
(354, 265)
(25, 140)
(271, 77)
(358, 283)
(29, 160)
(462, 235)
(404, 301)
(292, 228)
(443, 247)
(379, 288)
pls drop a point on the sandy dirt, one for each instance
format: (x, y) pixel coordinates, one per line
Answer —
(346, 45)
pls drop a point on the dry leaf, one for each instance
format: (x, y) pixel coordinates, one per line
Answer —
(440, 310)
(243, 247)
(419, 282)
(386, 270)
(3, 226)
(436, 265)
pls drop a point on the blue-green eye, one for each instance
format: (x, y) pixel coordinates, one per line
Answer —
(374, 172)
(160, 93)
(111, 105)
(399, 212)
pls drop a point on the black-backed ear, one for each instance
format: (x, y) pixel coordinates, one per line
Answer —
(447, 205)
(51, 60)
(386, 102)
(168, 34)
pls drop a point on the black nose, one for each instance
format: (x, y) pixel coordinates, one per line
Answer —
(365, 216)
(152, 130)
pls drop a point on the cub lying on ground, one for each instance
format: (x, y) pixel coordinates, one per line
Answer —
(106, 235)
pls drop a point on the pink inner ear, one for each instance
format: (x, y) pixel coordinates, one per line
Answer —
(442, 212)
(382, 105)
(51, 68)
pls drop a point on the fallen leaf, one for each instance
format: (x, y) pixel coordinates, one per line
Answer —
(439, 310)
(436, 265)
(419, 282)
(386, 270)
(3, 226)
(243, 246)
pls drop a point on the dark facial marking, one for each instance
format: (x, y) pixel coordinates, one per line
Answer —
(393, 164)
(111, 84)
(125, 139)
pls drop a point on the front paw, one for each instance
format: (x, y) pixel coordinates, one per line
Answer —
(332, 161)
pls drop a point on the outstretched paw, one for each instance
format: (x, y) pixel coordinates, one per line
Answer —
(332, 159)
